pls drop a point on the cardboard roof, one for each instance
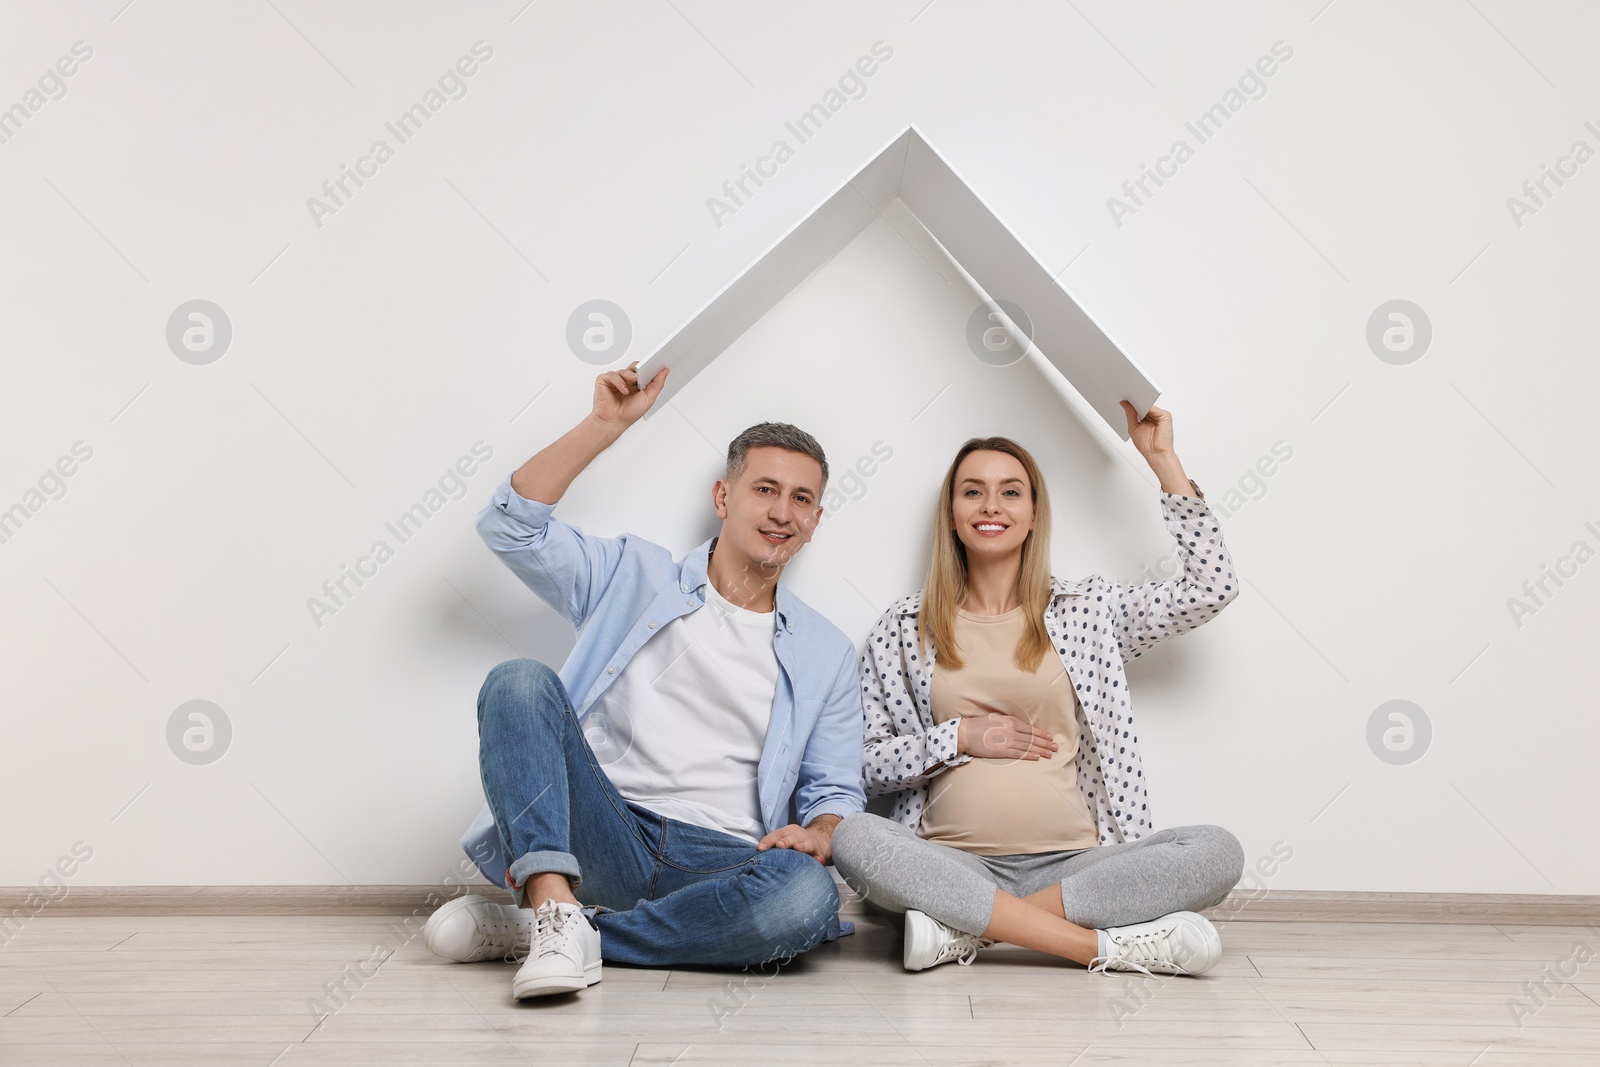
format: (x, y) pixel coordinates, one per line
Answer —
(994, 258)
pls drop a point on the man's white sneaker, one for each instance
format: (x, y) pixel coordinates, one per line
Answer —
(930, 942)
(1180, 943)
(564, 956)
(471, 928)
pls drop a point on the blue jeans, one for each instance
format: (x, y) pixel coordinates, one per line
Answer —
(669, 893)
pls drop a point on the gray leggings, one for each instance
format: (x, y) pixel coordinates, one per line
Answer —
(1182, 868)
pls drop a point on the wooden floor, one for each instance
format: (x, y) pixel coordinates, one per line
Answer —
(171, 991)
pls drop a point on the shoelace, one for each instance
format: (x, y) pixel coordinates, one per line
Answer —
(549, 924)
(963, 948)
(1153, 947)
(501, 935)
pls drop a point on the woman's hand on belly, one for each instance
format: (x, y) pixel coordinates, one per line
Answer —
(996, 735)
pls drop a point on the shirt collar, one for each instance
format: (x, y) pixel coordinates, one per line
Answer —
(692, 575)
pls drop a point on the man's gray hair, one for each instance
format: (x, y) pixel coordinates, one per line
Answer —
(779, 435)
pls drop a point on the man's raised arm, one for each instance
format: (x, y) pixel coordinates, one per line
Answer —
(619, 402)
(567, 568)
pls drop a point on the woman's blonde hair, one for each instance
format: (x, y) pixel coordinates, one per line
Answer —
(946, 584)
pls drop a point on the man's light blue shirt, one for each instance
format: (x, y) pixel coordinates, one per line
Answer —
(619, 592)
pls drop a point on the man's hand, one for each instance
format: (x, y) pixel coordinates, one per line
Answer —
(618, 404)
(814, 840)
(619, 399)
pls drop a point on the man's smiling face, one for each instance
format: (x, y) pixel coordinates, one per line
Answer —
(771, 508)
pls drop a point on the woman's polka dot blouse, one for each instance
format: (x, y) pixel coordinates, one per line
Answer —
(1095, 626)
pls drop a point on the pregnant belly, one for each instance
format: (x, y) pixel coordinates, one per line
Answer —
(1001, 807)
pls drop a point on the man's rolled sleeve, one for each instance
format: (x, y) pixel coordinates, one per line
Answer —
(567, 568)
(510, 515)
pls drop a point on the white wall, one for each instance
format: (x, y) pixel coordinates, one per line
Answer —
(372, 351)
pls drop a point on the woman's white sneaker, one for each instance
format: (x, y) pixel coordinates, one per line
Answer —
(472, 928)
(930, 942)
(564, 955)
(1180, 943)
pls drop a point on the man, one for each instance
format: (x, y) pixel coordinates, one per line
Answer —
(725, 717)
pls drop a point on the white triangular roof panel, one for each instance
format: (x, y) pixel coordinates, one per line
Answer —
(995, 259)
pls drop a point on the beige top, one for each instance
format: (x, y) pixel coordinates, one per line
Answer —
(1007, 807)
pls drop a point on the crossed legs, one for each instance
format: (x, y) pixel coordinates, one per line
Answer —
(1053, 902)
(669, 893)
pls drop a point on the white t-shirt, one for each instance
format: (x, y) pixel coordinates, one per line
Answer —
(681, 729)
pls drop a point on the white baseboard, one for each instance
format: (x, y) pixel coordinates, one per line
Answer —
(1277, 905)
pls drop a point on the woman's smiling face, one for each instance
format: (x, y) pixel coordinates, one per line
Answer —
(992, 506)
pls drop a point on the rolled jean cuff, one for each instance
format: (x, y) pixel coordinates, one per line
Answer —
(543, 863)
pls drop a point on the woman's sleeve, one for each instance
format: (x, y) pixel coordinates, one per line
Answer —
(1149, 613)
(898, 753)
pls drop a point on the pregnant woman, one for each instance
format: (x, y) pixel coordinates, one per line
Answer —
(998, 716)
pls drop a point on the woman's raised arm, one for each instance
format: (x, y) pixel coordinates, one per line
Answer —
(1151, 612)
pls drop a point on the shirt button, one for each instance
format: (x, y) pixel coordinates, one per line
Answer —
(611, 670)
(691, 602)
(652, 626)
